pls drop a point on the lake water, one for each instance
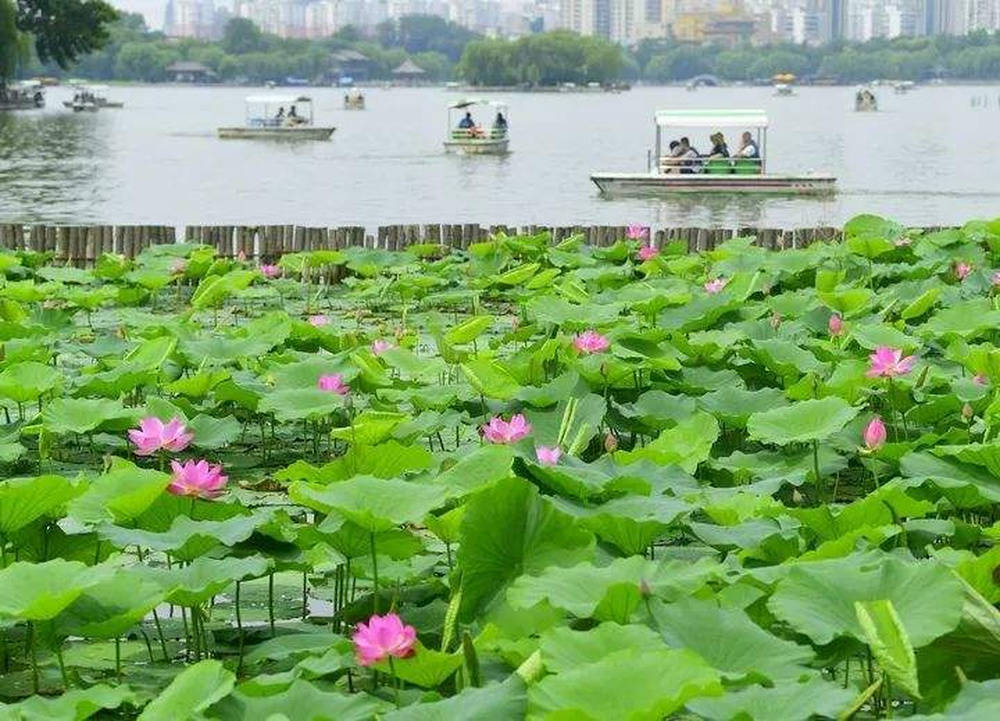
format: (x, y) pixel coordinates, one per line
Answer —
(928, 157)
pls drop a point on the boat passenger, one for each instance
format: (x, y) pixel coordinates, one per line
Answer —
(281, 113)
(749, 148)
(689, 156)
(719, 147)
(467, 122)
(671, 164)
(500, 122)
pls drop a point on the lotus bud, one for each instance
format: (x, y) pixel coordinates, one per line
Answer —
(644, 589)
(875, 434)
(776, 321)
(836, 325)
(610, 442)
(967, 412)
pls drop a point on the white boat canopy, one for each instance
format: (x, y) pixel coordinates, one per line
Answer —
(277, 99)
(469, 102)
(711, 118)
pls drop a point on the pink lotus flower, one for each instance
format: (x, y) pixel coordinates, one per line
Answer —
(995, 278)
(962, 270)
(835, 325)
(500, 431)
(382, 637)
(889, 362)
(590, 341)
(610, 442)
(980, 380)
(714, 286)
(636, 232)
(153, 435)
(198, 479)
(333, 382)
(241, 256)
(548, 456)
(318, 321)
(179, 266)
(648, 252)
(875, 434)
(380, 346)
(270, 271)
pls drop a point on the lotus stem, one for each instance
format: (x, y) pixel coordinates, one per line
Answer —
(270, 601)
(395, 680)
(239, 630)
(819, 481)
(374, 574)
(159, 633)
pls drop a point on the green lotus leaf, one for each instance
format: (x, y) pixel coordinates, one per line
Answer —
(490, 378)
(40, 591)
(564, 649)
(507, 700)
(630, 684)
(120, 495)
(300, 404)
(789, 701)
(687, 444)
(23, 500)
(372, 503)
(203, 578)
(192, 691)
(812, 420)
(23, 382)
(75, 704)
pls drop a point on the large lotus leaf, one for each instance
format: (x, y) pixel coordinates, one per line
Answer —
(251, 341)
(301, 404)
(426, 667)
(76, 704)
(733, 406)
(495, 702)
(975, 702)
(789, 701)
(627, 685)
(967, 319)
(489, 378)
(885, 506)
(631, 523)
(120, 495)
(870, 337)
(791, 466)
(609, 592)
(302, 701)
(867, 225)
(812, 420)
(192, 691)
(846, 300)
(818, 599)
(564, 649)
(577, 419)
(384, 460)
(973, 484)
(82, 415)
(372, 503)
(111, 607)
(203, 578)
(658, 409)
(558, 311)
(40, 591)
(370, 427)
(23, 500)
(23, 382)
(212, 432)
(482, 467)
(305, 373)
(686, 445)
(508, 530)
(986, 455)
(785, 358)
(729, 641)
(186, 539)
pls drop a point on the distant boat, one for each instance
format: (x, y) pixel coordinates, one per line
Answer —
(672, 175)
(865, 101)
(25, 95)
(904, 86)
(91, 98)
(473, 140)
(354, 99)
(277, 117)
(783, 89)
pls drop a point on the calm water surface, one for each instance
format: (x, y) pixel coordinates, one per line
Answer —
(928, 157)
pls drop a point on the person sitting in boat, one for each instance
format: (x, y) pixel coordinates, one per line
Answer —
(748, 148)
(671, 164)
(281, 113)
(467, 123)
(719, 147)
(689, 157)
(500, 124)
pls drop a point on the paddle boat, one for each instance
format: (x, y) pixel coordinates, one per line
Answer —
(284, 117)
(91, 98)
(783, 89)
(25, 95)
(354, 100)
(865, 101)
(474, 139)
(666, 175)
(903, 86)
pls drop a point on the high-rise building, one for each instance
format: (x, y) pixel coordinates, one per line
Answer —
(192, 19)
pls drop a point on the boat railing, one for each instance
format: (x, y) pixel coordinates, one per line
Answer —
(711, 166)
(478, 133)
(272, 122)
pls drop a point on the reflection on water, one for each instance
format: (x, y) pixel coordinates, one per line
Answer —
(50, 166)
(158, 160)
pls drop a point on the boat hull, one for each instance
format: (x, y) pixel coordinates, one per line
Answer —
(354, 105)
(612, 184)
(478, 147)
(299, 133)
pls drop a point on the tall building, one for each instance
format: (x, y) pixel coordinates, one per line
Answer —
(192, 19)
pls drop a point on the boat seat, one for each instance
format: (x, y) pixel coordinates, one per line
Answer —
(747, 166)
(718, 166)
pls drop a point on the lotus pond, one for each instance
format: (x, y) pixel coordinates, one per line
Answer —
(521, 480)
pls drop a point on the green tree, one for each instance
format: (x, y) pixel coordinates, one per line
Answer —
(242, 36)
(63, 30)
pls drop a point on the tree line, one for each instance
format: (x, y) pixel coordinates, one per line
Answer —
(39, 37)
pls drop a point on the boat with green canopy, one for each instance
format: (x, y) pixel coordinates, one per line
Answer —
(469, 137)
(668, 173)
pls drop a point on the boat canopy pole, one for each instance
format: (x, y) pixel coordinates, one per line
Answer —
(658, 150)
(763, 150)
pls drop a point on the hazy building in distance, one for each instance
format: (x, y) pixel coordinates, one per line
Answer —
(194, 19)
